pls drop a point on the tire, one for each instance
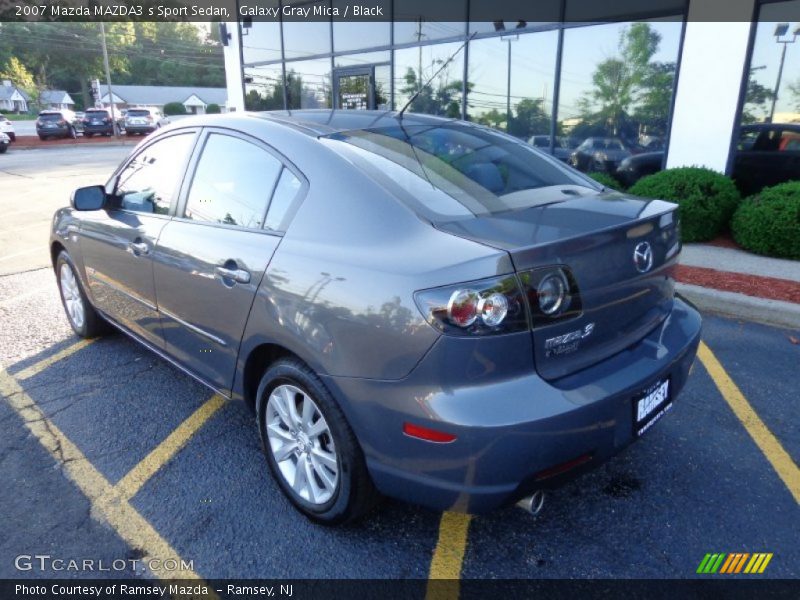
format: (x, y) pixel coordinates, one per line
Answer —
(83, 318)
(42, 137)
(88, 135)
(72, 133)
(352, 495)
(128, 134)
(3, 148)
(12, 137)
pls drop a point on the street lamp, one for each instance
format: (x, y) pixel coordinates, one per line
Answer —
(780, 30)
(501, 26)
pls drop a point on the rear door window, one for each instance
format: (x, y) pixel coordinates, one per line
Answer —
(232, 183)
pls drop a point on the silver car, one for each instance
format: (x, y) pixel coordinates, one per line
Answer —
(412, 306)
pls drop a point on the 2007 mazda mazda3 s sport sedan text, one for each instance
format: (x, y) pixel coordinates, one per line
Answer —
(413, 306)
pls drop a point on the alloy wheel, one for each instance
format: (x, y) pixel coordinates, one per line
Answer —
(302, 444)
(71, 294)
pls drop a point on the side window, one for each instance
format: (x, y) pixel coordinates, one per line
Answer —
(284, 201)
(148, 182)
(232, 183)
(790, 141)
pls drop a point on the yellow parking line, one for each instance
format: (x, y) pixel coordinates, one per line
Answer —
(44, 363)
(126, 520)
(448, 556)
(150, 464)
(780, 460)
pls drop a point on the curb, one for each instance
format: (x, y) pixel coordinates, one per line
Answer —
(739, 306)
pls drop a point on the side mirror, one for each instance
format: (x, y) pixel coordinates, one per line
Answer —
(89, 198)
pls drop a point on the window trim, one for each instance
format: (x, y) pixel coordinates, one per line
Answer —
(111, 184)
(191, 171)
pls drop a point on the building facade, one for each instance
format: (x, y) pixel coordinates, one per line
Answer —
(195, 100)
(665, 76)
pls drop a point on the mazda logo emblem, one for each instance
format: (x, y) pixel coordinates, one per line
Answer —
(643, 257)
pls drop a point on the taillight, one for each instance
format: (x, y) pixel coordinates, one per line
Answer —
(552, 294)
(485, 307)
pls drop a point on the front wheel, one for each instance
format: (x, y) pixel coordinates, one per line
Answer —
(310, 448)
(82, 317)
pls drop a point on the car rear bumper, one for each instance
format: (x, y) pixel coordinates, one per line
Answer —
(140, 128)
(98, 129)
(56, 131)
(512, 427)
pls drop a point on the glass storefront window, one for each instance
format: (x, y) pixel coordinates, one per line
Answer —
(263, 88)
(306, 38)
(378, 65)
(526, 108)
(411, 27)
(414, 67)
(308, 83)
(616, 83)
(487, 16)
(261, 42)
(768, 85)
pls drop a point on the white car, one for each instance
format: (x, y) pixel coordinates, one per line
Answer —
(7, 127)
(4, 142)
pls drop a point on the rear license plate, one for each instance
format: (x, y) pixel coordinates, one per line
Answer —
(651, 405)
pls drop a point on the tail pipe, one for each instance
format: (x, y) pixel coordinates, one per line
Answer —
(532, 504)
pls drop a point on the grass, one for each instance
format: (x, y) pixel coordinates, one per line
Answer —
(23, 117)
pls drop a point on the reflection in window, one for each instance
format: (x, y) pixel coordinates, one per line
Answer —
(262, 42)
(284, 200)
(148, 182)
(762, 103)
(263, 88)
(526, 109)
(307, 37)
(308, 84)
(616, 81)
(440, 96)
(378, 64)
(232, 183)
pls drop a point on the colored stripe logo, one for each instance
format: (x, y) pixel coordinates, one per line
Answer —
(734, 562)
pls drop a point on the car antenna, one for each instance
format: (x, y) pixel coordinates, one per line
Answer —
(432, 77)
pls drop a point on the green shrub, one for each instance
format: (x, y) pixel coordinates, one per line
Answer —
(769, 222)
(606, 180)
(707, 200)
(213, 109)
(174, 108)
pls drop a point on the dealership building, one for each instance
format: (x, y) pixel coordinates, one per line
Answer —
(667, 75)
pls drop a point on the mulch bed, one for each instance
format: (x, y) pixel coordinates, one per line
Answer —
(33, 141)
(750, 285)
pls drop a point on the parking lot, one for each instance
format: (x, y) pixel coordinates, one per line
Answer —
(108, 452)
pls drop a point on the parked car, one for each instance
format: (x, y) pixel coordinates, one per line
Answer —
(542, 142)
(766, 154)
(633, 168)
(7, 127)
(415, 306)
(5, 141)
(56, 124)
(599, 154)
(99, 121)
(143, 120)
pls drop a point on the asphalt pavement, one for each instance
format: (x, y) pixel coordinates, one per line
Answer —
(77, 419)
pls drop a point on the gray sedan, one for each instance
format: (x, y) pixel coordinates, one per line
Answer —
(412, 306)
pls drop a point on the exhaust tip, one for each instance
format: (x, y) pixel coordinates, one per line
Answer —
(532, 504)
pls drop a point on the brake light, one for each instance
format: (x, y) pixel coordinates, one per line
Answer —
(552, 294)
(485, 307)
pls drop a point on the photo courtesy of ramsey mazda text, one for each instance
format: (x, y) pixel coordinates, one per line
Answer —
(413, 306)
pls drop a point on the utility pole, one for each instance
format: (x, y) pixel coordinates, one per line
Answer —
(108, 79)
(419, 39)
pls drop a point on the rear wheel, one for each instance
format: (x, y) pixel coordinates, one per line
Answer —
(82, 316)
(72, 133)
(3, 148)
(87, 134)
(310, 448)
(42, 137)
(12, 137)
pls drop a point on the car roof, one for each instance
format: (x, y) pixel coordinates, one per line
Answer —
(328, 121)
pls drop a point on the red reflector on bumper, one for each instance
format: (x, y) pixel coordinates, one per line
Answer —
(429, 435)
(563, 467)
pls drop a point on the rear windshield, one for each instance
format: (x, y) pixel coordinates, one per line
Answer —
(453, 170)
(138, 113)
(51, 117)
(96, 113)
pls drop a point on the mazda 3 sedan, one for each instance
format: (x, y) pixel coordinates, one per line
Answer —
(412, 306)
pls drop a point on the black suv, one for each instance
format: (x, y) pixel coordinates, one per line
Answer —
(56, 124)
(98, 121)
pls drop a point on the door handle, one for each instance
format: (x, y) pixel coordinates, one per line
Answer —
(237, 275)
(139, 248)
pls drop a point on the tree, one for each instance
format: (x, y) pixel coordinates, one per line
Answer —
(794, 88)
(756, 99)
(213, 109)
(443, 100)
(530, 119)
(174, 108)
(655, 98)
(492, 118)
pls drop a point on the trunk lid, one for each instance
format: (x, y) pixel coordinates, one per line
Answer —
(595, 237)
